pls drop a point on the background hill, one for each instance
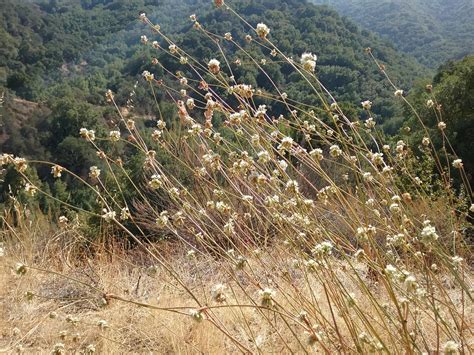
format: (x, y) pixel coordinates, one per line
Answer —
(433, 31)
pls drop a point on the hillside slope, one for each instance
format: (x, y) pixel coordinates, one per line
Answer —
(433, 31)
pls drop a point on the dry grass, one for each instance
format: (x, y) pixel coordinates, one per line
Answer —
(162, 326)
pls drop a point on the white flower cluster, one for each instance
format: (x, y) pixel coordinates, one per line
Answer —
(308, 60)
(262, 30)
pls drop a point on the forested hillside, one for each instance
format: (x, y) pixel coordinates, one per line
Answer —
(433, 31)
(65, 54)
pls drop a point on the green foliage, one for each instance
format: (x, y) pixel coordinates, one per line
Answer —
(433, 31)
(453, 89)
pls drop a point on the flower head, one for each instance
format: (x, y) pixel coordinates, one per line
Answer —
(458, 164)
(214, 66)
(114, 136)
(94, 172)
(20, 269)
(367, 105)
(308, 61)
(108, 216)
(148, 76)
(262, 30)
(56, 170)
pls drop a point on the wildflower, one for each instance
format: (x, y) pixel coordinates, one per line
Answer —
(247, 198)
(6, 159)
(163, 219)
(394, 208)
(173, 49)
(193, 17)
(144, 39)
(292, 186)
(148, 76)
(108, 216)
(308, 60)
(458, 164)
(244, 90)
(155, 182)
(30, 190)
(109, 96)
(214, 66)
(266, 297)
(262, 30)
(323, 249)
(471, 208)
(442, 125)
(365, 233)
(131, 124)
(428, 234)
(410, 283)
(286, 143)
(20, 269)
(399, 93)
(377, 158)
(400, 147)
(197, 315)
(20, 164)
(367, 176)
(273, 53)
(261, 111)
(317, 154)
(367, 105)
(228, 36)
(125, 214)
(425, 141)
(94, 172)
(430, 103)
(229, 228)
(236, 118)
(218, 293)
(56, 170)
(391, 270)
(335, 151)
(63, 221)
(155, 45)
(263, 156)
(142, 16)
(451, 348)
(219, 3)
(114, 136)
(174, 192)
(370, 123)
